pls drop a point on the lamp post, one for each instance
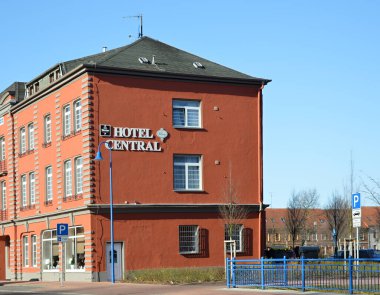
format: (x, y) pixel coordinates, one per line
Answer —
(100, 158)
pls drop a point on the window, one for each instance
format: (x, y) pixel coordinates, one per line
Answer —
(47, 125)
(277, 237)
(68, 179)
(3, 196)
(77, 116)
(34, 250)
(188, 239)
(50, 250)
(23, 191)
(22, 140)
(75, 249)
(49, 183)
(2, 149)
(31, 136)
(32, 188)
(25, 244)
(187, 172)
(186, 114)
(78, 176)
(66, 121)
(234, 232)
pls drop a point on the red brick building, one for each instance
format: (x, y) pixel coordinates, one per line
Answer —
(318, 233)
(181, 129)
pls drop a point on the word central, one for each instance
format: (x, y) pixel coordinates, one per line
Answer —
(125, 145)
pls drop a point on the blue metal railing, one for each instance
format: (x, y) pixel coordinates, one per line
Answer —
(349, 275)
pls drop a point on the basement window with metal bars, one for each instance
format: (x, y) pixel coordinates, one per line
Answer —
(188, 239)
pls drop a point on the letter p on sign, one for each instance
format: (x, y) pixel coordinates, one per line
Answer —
(356, 201)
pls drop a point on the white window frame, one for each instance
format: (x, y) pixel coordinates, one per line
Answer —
(22, 140)
(24, 201)
(31, 136)
(2, 147)
(34, 250)
(66, 120)
(78, 175)
(187, 165)
(77, 115)
(47, 127)
(177, 104)
(3, 195)
(68, 178)
(32, 188)
(25, 246)
(49, 183)
(188, 236)
(237, 228)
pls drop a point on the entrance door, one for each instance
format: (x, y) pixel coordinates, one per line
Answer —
(117, 260)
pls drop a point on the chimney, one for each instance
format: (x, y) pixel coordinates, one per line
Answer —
(104, 49)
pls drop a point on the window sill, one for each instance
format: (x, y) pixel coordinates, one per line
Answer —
(51, 270)
(46, 144)
(75, 270)
(189, 253)
(188, 128)
(189, 191)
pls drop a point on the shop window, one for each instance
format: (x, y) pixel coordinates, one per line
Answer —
(49, 184)
(31, 137)
(66, 121)
(50, 250)
(25, 246)
(187, 172)
(75, 249)
(188, 239)
(186, 114)
(78, 175)
(22, 141)
(77, 116)
(34, 250)
(234, 232)
(68, 179)
(32, 188)
(47, 130)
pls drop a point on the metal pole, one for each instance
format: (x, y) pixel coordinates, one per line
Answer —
(62, 263)
(111, 217)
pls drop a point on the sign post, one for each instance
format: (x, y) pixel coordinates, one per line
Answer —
(356, 219)
(62, 236)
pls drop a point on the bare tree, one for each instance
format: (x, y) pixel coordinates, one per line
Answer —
(298, 211)
(231, 212)
(337, 213)
(372, 189)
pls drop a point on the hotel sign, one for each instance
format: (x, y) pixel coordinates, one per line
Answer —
(138, 139)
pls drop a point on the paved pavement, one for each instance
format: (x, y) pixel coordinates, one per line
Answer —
(105, 288)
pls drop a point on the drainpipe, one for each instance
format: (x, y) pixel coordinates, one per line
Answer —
(261, 212)
(13, 155)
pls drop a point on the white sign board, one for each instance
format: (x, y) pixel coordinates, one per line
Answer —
(356, 210)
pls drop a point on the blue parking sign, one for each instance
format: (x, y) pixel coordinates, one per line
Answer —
(356, 201)
(62, 229)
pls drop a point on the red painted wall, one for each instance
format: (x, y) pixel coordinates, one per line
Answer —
(230, 135)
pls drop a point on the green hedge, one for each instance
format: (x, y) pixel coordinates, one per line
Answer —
(176, 275)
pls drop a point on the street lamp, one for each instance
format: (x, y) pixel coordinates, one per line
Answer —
(100, 158)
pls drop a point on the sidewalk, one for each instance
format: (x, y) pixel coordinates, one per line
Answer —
(101, 288)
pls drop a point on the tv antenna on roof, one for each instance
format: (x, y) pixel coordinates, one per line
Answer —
(141, 23)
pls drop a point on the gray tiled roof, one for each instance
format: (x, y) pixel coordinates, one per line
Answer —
(167, 59)
(17, 89)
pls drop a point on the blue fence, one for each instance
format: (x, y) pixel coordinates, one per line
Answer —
(348, 275)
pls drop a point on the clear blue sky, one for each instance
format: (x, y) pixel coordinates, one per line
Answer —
(323, 58)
